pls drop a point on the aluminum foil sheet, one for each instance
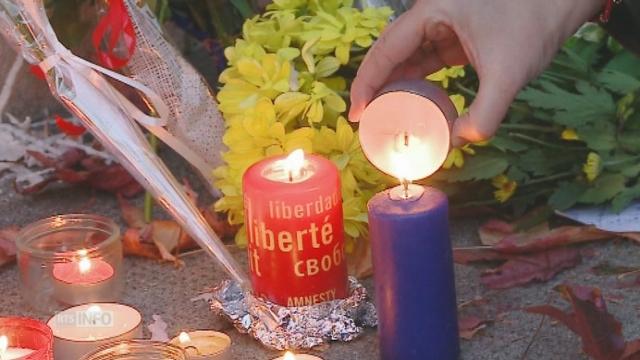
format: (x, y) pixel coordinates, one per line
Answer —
(304, 327)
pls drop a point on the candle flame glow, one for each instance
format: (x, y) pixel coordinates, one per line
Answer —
(289, 356)
(293, 163)
(184, 337)
(407, 151)
(94, 309)
(4, 344)
(84, 265)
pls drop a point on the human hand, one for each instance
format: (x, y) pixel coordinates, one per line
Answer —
(508, 42)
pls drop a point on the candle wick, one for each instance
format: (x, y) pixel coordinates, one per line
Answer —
(406, 139)
(405, 188)
(290, 176)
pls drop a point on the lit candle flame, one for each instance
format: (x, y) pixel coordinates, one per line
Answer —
(293, 164)
(84, 265)
(184, 338)
(407, 151)
(4, 344)
(289, 356)
(94, 309)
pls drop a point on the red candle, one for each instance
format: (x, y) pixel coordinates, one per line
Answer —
(293, 217)
(25, 339)
(81, 279)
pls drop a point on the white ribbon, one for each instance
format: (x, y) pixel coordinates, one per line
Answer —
(155, 125)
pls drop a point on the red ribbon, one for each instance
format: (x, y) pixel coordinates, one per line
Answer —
(68, 127)
(114, 37)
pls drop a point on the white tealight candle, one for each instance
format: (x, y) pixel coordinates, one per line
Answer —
(291, 356)
(12, 353)
(204, 345)
(81, 329)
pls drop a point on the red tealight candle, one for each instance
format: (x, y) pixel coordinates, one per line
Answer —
(25, 339)
(293, 217)
(82, 279)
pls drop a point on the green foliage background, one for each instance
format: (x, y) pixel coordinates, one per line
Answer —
(591, 89)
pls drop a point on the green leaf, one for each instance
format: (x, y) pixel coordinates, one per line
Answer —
(566, 195)
(621, 83)
(243, 7)
(626, 63)
(604, 188)
(539, 162)
(623, 199)
(504, 143)
(516, 174)
(480, 167)
(631, 171)
(573, 109)
(628, 140)
(601, 136)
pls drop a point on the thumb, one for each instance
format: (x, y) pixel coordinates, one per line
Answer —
(487, 110)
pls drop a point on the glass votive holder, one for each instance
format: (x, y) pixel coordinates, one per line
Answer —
(137, 350)
(67, 260)
(26, 339)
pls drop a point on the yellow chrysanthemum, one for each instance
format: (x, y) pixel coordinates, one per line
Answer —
(592, 166)
(252, 79)
(569, 135)
(458, 101)
(505, 188)
(447, 73)
(273, 33)
(456, 156)
(281, 91)
(335, 32)
(310, 107)
(625, 106)
(287, 4)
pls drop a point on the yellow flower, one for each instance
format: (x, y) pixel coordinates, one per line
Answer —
(336, 31)
(505, 188)
(243, 49)
(252, 79)
(273, 33)
(458, 101)
(569, 135)
(287, 4)
(445, 74)
(625, 106)
(592, 166)
(456, 156)
(311, 107)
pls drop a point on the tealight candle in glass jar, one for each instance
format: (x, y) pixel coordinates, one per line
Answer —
(68, 260)
(137, 350)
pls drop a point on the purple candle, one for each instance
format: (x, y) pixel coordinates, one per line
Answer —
(404, 132)
(414, 282)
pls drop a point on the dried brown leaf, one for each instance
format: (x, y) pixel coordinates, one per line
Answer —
(8, 238)
(601, 333)
(466, 256)
(133, 244)
(468, 326)
(133, 216)
(560, 236)
(523, 269)
(75, 167)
